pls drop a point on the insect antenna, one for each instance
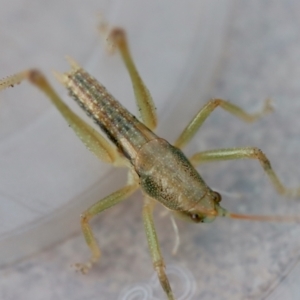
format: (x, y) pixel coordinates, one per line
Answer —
(264, 218)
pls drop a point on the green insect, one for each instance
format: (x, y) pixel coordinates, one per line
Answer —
(159, 169)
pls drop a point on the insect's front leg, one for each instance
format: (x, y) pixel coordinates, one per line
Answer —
(157, 258)
(94, 210)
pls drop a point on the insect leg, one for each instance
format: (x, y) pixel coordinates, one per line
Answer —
(177, 237)
(247, 152)
(91, 138)
(94, 210)
(208, 108)
(117, 37)
(158, 261)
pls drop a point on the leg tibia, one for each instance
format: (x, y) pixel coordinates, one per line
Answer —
(159, 267)
(247, 152)
(94, 210)
(154, 248)
(144, 100)
(207, 109)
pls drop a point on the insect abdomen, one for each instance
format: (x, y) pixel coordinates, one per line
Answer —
(120, 126)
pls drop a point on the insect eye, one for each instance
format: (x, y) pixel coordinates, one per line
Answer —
(196, 218)
(217, 197)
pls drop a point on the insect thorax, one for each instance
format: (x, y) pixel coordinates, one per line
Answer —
(167, 175)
